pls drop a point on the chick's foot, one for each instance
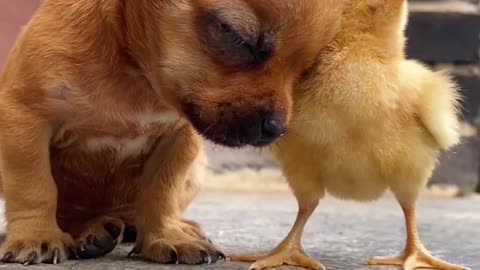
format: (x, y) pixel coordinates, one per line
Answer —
(290, 251)
(418, 258)
(284, 255)
(415, 255)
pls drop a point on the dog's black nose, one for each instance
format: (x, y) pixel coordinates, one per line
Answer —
(271, 129)
(258, 130)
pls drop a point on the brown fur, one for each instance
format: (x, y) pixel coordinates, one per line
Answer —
(366, 120)
(72, 96)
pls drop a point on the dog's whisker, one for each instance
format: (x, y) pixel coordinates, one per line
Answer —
(277, 146)
(208, 128)
(279, 27)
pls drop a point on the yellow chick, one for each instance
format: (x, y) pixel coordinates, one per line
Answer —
(366, 120)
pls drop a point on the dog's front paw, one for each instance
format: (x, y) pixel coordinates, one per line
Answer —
(37, 246)
(100, 237)
(174, 245)
(193, 229)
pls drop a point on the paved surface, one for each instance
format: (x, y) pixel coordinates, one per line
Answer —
(341, 234)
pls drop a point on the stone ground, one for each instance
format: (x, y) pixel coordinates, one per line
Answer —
(341, 234)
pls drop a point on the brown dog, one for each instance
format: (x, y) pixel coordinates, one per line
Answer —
(101, 102)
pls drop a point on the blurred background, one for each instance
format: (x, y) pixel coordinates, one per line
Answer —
(442, 33)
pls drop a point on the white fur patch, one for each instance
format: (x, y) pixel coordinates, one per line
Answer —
(146, 119)
(124, 148)
(132, 147)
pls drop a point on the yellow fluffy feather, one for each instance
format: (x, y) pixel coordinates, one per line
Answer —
(366, 120)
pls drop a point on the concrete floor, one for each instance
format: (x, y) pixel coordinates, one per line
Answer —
(341, 234)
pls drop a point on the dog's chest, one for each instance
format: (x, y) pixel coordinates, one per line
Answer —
(123, 140)
(106, 159)
(143, 131)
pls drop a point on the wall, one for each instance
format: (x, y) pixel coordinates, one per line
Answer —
(13, 15)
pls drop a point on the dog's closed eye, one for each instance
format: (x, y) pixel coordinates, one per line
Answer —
(226, 43)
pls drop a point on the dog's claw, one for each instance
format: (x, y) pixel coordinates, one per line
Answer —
(132, 253)
(7, 257)
(173, 258)
(73, 254)
(56, 254)
(221, 256)
(206, 257)
(32, 257)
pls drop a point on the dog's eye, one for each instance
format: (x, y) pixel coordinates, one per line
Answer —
(233, 48)
(234, 37)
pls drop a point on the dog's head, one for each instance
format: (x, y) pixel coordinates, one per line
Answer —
(229, 65)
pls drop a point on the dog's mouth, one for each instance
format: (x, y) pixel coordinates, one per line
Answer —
(229, 136)
(235, 140)
(258, 129)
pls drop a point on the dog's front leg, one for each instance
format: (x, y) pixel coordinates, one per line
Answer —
(30, 192)
(162, 235)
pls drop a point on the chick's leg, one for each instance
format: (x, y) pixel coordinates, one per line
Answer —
(415, 254)
(290, 251)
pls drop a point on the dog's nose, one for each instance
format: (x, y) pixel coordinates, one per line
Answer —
(272, 128)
